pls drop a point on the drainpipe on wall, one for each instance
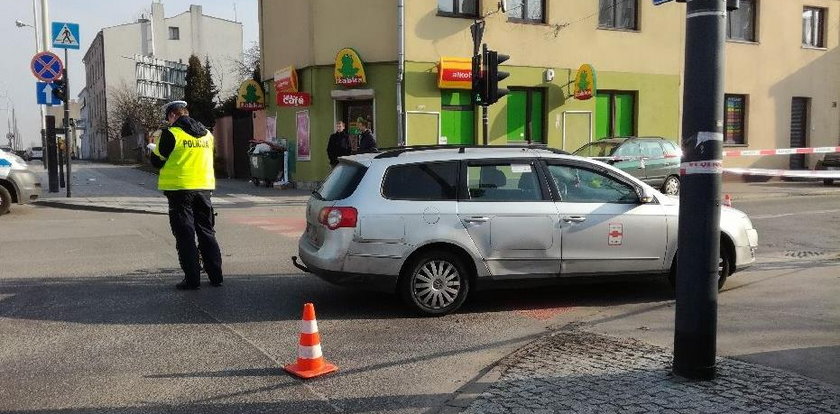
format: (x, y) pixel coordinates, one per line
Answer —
(400, 71)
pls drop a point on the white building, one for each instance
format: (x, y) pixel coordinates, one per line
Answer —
(149, 56)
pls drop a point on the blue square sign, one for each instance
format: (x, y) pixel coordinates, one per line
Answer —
(65, 35)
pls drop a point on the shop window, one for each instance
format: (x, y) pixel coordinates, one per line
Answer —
(813, 27)
(615, 114)
(174, 33)
(618, 14)
(526, 11)
(457, 117)
(735, 110)
(458, 8)
(740, 24)
(526, 115)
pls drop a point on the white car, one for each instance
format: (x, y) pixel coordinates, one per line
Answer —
(18, 184)
(431, 224)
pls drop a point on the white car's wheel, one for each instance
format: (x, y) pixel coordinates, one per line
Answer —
(436, 283)
(724, 268)
(5, 200)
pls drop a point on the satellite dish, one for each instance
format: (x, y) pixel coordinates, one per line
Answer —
(503, 6)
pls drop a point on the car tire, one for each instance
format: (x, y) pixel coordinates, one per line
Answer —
(724, 268)
(5, 200)
(671, 186)
(828, 181)
(435, 283)
(256, 182)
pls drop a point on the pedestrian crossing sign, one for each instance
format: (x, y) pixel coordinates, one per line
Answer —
(65, 35)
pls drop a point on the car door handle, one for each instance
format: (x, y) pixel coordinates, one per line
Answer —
(476, 219)
(574, 219)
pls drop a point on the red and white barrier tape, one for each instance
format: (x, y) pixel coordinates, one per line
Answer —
(833, 174)
(780, 151)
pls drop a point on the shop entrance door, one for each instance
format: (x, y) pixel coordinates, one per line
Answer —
(352, 113)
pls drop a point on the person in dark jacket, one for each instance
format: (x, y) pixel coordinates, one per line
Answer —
(184, 154)
(367, 143)
(339, 144)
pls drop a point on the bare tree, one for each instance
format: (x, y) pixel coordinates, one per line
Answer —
(131, 114)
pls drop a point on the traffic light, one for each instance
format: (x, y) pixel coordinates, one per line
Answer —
(492, 76)
(477, 80)
(59, 89)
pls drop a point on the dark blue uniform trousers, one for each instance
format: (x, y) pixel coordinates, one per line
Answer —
(191, 217)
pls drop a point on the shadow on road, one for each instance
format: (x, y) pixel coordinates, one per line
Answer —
(148, 297)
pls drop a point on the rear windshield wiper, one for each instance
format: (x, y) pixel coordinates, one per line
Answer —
(317, 194)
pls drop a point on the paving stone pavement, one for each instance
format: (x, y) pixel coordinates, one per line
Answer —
(573, 371)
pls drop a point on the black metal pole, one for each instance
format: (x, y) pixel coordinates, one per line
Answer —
(60, 155)
(50, 152)
(68, 140)
(695, 328)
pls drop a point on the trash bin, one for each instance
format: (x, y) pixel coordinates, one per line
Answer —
(265, 167)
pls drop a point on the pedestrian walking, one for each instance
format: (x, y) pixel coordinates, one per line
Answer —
(339, 144)
(184, 154)
(367, 142)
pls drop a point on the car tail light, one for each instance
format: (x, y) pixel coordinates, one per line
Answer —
(336, 217)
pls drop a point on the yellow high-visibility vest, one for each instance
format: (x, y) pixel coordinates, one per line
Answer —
(190, 165)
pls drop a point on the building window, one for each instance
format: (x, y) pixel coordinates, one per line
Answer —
(528, 11)
(526, 115)
(735, 110)
(618, 14)
(813, 27)
(740, 24)
(458, 8)
(615, 114)
(457, 117)
(174, 33)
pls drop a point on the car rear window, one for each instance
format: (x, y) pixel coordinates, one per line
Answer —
(342, 181)
(427, 181)
(597, 149)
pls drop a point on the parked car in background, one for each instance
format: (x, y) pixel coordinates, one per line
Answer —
(433, 224)
(34, 153)
(654, 160)
(18, 184)
(829, 162)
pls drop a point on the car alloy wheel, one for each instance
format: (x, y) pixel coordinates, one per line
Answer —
(437, 283)
(5, 200)
(671, 186)
(724, 268)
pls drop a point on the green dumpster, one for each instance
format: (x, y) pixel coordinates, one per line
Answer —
(265, 167)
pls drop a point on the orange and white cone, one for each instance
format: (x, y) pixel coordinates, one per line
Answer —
(727, 200)
(310, 361)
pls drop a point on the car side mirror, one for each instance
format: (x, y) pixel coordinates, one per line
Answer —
(645, 196)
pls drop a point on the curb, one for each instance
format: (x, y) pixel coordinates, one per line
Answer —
(97, 208)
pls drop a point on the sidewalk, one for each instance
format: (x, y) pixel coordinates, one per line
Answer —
(573, 371)
(126, 188)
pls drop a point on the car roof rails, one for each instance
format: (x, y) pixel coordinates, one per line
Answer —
(397, 151)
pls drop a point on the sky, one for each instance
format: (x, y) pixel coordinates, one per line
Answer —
(17, 45)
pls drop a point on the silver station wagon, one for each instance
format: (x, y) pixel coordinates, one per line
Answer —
(432, 224)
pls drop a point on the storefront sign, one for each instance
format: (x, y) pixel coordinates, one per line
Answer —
(585, 82)
(349, 69)
(455, 73)
(285, 80)
(302, 135)
(294, 99)
(250, 96)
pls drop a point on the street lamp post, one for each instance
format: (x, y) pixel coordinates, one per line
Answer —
(38, 48)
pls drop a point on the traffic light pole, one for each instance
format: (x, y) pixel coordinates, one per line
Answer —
(695, 328)
(68, 140)
(485, 122)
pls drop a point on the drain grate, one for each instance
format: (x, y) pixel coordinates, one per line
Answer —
(802, 254)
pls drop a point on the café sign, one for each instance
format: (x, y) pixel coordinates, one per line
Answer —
(286, 89)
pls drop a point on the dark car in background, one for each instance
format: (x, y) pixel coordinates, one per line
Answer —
(829, 162)
(654, 160)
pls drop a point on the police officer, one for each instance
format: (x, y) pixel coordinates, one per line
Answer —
(184, 154)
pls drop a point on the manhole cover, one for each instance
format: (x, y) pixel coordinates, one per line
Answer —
(803, 254)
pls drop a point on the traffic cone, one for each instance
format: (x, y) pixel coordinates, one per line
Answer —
(310, 361)
(727, 200)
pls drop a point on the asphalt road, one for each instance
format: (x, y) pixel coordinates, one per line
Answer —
(89, 319)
